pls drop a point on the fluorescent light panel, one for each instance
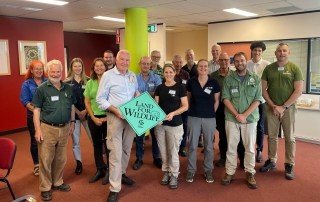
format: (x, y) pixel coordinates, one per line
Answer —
(99, 30)
(239, 12)
(109, 18)
(169, 29)
(59, 3)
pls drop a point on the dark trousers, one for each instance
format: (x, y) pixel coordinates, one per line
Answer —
(260, 128)
(139, 146)
(221, 127)
(33, 142)
(99, 134)
(184, 117)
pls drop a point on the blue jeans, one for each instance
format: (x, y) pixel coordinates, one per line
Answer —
(184, 117)
(33, 142)
(139, 146)
(260, 128)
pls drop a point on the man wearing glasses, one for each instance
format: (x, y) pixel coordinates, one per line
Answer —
(155, 67)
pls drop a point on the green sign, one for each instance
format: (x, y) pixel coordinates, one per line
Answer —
(142, 113)
(152, 28)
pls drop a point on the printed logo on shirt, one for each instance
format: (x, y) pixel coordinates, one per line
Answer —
(286, 72)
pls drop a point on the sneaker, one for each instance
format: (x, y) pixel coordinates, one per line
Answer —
(208, 176)
(182, 152)
(289, 171)
(227, 179)
(166, 178)
(36, 170)
(251, 181)
(157, 162)
(221, 163)
(259, 158)
(173, 182)
(189, 177)
(64, 188)
(268, 165)
(137, 164)
(127, 181)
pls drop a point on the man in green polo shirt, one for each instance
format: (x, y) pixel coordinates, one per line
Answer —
(241, 96)
(282, 84)
(54, 110)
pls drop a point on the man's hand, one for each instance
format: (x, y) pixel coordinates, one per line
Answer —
(136, 94)
(118, 114)
(169, 117)
(241, 118)
(71, 128)
(38, 135)
(278, 111)
(97, 121)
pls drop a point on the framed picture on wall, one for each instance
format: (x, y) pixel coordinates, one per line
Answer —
(29, 51)
(4, 57)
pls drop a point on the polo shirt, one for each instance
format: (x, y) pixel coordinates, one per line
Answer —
(257, 67)
(242, 94)
(193, 71)
(213, 66)
(281, 81)
(91, 93)
(150, 85)
(202, 99)
(55, 104)
(218, 77)
(182, 77)
(159, 71)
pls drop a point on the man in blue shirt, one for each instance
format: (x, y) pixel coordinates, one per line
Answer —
(147, 82)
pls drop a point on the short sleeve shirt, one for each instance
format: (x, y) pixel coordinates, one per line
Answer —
(170, 100)
(91, 93)
(281, 81)
(182, 77)
(193, 71)
(202, 99)
(158, 71)
(258, 67)
(55, 104)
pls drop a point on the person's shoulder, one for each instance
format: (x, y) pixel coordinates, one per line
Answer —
(265, 62)
(68, 80)
(291, 64)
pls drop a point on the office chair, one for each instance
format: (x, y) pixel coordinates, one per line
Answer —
(7, 153)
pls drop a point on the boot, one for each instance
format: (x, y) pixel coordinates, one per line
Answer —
(99, 174)
(78, 168)
(106, 177)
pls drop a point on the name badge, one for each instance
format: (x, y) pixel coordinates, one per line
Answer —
(131, 79)
(151, 84)
(280, 68)
(83, 86)
(207, 90)
(184, 81)
(172, 92)
(234, 90)
(54, 98)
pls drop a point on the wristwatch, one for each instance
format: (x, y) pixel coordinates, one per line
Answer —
(285, 106)
(73, 121)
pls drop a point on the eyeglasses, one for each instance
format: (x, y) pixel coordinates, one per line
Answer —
(144, 63)
(224, 60)
(156, 57)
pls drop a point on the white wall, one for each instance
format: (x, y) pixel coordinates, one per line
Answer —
(268, 28)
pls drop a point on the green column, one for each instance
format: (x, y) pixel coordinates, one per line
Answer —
(136, 35)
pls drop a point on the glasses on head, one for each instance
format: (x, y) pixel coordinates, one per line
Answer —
(224, 60)
(156, 57)
(144, 63)
(38, 69)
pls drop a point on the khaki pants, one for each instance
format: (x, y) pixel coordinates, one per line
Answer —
(169, 139)
(287, 121)
(248, 134)
(119, 141)
(52, 155)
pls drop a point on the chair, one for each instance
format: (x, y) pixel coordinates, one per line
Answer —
(7, 153)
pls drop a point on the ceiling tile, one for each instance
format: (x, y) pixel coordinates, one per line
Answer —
(305, 4)
(272, 5)
(189, 7)
(217, 4)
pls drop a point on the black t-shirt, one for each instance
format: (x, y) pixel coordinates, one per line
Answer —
(169, 101)
(193, 71)
(202, 99)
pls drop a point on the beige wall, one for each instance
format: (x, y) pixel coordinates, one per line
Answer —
(178, 43)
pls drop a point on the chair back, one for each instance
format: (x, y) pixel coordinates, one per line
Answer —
(7, 153)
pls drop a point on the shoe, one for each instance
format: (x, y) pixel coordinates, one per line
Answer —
(64, 188)
(78, 168)
(112, 197)
(36, 170)
(182, 152)
(157, 162)
(227, 179)
(259, 158)
(208, 176)
(242, 165)
(99, 174)
(189, 177)
(46, 196)
(105, 180)
(166, 178)
(137, 164)
(251, 181)
(268, 165)
(289, 171)
(127, 181)
(200, 143)
(173, 182)
(221, 163)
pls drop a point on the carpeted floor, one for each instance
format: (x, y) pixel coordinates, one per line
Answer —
(272, 186)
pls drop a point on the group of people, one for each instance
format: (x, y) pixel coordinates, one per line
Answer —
(197, 98)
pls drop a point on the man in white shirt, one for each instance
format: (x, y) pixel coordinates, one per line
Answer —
(257, 65)
(214, 63)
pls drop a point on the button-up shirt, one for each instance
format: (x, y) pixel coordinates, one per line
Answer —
(257, 67)
(213, 66)
(150, 85)
(115, 88)
(159, 71)
(193, 71)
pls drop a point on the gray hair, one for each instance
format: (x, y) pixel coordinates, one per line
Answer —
(176, 56)
(123, 51)
(189, 50)
(155, 51)
(53, 62)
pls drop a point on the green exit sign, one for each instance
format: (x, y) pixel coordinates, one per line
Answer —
(152, 28)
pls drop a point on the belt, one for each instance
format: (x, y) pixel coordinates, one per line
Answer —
(56, 125)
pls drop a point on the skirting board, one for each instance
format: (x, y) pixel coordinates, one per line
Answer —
(309, 140)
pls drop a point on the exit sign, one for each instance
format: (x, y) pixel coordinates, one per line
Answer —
(152, 28)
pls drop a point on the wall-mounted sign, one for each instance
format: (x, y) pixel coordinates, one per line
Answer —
(152, 28)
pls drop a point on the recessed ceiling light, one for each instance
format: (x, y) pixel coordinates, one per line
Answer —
(60, 3)
(109, 18)
(239, 12)
(169, 29)
(99, 30)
